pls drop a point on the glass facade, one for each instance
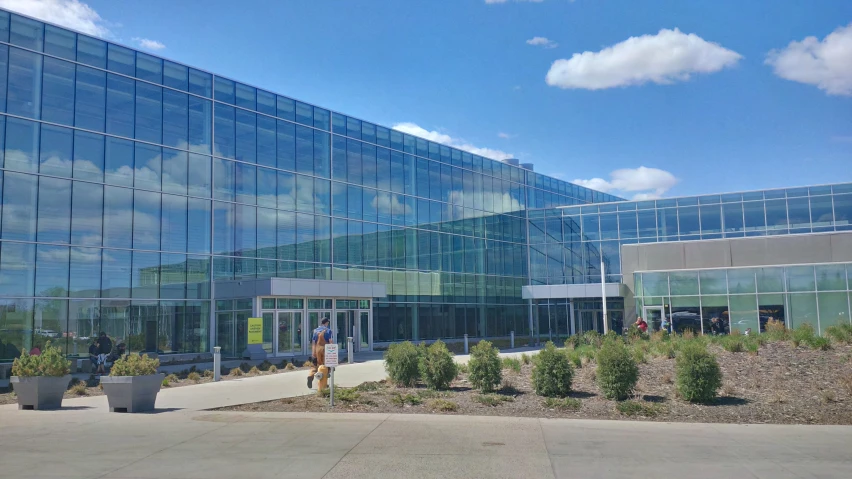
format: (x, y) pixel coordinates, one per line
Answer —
(566, 244)
(717, 301)
(129, 182)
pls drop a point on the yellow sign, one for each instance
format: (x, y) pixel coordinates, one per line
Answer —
(255, 330)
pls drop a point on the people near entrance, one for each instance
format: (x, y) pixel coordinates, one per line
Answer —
(104, 349)
(665, 325)
(717, 326)
(641, 324)
(94, 350)
(320, 337)
(748, 331)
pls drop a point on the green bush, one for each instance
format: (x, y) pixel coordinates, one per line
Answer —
(513, 364)
(734, 343)
(401, 400)
(803, 334)
(194, 377)
(134, 365)
(611, 334)
(552, 372)
(636, 408)
(437, 366)
(51, 362)
(563, 403)
(698, 373)
(574, 341)
(776, 330)
(525, 358)
(818, 342)
(617, 372)
(442, 405)
(574, 358)
(348, 395)
(485, 368)
(592, 338)
(402, 363)
(841, 333)
(634, 334)
(492, 399)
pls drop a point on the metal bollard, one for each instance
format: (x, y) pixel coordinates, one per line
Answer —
(511, 340)
(466, 348)
(350, 352)
(217, 363)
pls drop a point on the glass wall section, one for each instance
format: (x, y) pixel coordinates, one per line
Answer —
(129, 181)
(717, 301)
(758, 213)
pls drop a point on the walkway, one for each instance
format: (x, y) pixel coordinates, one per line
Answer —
(252, 389)
(75, 444)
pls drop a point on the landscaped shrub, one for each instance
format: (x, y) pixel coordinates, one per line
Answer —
(265, 365)
(513, 364)
(79, 389)
(208, 373)
(776, 330)
(592, 338)
(402, 363)
(611, 334)
(525, 358)
(485, 368)
(290, 367)
(236, 372)
(698, 373)
(437, 367)
(273, 369)
(574, 341)
(348, 395)
(134, 365)
(803, 334)
(617, 372)
(254, 371)
(442, 405)
(492, 399)
(635, 334)
(51, 362)
(734, 343)
(194, 377)
(552, 372)
(563, 403)
(841, 333)
(819, 342)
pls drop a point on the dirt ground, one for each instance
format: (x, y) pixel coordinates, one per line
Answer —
(780, 385)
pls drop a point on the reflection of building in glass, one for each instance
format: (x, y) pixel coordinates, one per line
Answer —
(145, 199)
(709, 263)
(120, 212)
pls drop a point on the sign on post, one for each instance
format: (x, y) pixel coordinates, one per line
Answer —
(255, 331)
(331, 355)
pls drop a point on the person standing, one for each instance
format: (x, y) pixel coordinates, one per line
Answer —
(104, 349)
(641, 324)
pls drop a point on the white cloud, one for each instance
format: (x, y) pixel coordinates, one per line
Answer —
(505, 136)
(438, 137)
(664, 58)
(516, 87)
(68, 13)
(542, 42)
(647, 183)
(827, 64)
(149, 44)
(842, 139)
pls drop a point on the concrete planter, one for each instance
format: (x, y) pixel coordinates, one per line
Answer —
(40, 392)
(132, 393)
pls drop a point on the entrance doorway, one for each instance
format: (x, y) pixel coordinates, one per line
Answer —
(289, 333)
(654, 317)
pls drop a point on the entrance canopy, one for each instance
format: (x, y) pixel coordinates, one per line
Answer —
(568, 291)
(233, 289)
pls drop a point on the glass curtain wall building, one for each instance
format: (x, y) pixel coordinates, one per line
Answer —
(568, 243)
(131, 184)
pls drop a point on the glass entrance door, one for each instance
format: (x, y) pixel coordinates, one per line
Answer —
(289, 333)
(654, 318)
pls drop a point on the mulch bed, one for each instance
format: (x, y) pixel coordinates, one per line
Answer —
(779, 385)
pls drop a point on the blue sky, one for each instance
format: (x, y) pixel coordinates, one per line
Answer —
(699, 107)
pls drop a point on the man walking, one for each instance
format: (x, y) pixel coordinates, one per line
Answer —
(320, 337)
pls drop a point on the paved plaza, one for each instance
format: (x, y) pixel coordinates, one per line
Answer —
(183, 440)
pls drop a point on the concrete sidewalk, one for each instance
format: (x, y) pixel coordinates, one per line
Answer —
(76, 444)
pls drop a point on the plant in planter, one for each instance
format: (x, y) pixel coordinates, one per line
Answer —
(40, 381)
(133, 384)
